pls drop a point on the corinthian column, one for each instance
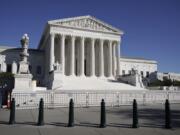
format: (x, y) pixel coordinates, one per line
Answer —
(51, 59)
(82, 57)
(118, 58)
(92, 64)
(114, 58)
(72, 55)
(62, 53)
(101, 59)
(110, 59)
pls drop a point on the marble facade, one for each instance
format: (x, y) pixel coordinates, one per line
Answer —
(84, 46)
(72, 52)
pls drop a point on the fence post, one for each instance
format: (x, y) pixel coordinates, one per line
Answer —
(167, 115)
(71, 114)
(144, 98)
(103, 115)
(135, 115)
(117, 96)
(12, 112)
(52, 99)
(9, 100)
(87, 99)
(167, 95)
(41, 113)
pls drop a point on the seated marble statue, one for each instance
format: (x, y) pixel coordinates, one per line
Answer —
(133, 71)
(57, 67)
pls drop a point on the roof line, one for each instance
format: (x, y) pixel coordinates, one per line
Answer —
(84, 17)
(136, 58)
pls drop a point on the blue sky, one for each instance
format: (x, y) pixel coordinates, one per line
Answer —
(151, 27)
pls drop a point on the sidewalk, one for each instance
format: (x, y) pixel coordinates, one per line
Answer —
(119, 120)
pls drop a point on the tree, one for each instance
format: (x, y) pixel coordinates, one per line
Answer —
(167, 82)
(176, 83)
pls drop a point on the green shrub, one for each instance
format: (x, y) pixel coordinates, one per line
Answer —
(6, 75)
(156, 83)
(176, 83)
(167, 82)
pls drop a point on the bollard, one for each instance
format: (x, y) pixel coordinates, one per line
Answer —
(167, 115)
(103, 115)
(135, 115)
(71, 114)
(12, 112)
(41, 113)
(9, 100)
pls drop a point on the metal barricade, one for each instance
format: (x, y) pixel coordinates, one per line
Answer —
(52, 99)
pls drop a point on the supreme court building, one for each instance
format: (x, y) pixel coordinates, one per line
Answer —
(83, 46)
(79, 53)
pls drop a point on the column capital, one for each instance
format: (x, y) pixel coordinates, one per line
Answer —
(118, 42)
(101, 41)
(110, 42)
(72, 36)
(92, 40)
(82, 39)
(52, 34)
(62, 35)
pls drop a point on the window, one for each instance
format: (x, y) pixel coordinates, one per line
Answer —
(147, 74)
(9, 69)
(123, 72)
(38, 70)
(142, 73)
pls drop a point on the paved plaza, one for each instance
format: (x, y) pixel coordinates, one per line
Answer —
(119, 121)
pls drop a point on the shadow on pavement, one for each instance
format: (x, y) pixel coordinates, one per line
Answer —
(88, 124)
(149, 117)
(119, 125)
(19, 123)
(3, 122)
(58, 124)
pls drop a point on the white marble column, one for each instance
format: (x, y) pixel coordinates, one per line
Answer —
(62, 57)
(72, 59)
(110, 59)
(101, 59)
(118, 58)
(92, 63)
(113, 59)
(51, 61)
(82, 57)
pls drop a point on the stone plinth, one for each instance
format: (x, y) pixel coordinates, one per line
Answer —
(22, 82)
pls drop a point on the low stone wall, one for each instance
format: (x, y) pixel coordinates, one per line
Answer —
(52, 99)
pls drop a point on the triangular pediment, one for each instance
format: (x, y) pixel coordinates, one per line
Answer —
(86, 22)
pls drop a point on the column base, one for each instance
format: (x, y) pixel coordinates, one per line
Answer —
(111, 77)
(23, 82)
(73, 75)
(93, 76)
(83, 76)
(102, 77)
